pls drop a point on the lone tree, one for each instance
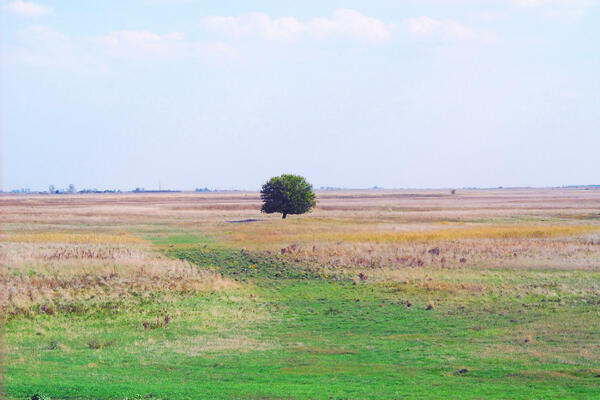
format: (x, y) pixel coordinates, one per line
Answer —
(287, 194)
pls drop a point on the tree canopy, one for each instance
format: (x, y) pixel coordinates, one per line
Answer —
(287, 194)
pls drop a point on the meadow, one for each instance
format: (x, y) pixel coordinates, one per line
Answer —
(376, 294)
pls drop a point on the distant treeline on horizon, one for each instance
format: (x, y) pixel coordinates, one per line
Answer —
(71, 189)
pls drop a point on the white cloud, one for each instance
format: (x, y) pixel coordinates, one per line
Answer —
(564, 10)
(28, 9)
(142, 44)
(351, 24)
(255, 23)
(425, 27)
(217, 50)
(344, 24)
(44, 34)
(43, 47)
(136, 43)
(488, 17)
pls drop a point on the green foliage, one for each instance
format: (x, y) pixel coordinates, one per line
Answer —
(287, 194)
(243, 265)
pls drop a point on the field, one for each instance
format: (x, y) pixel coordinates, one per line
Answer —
(482, 294)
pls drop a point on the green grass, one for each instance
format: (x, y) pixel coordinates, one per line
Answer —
(180, 239)
(293, 332)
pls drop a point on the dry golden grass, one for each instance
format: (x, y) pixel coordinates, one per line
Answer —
(401, 206)
(483, 232)
(68, 237)
(269, 237)
(68, 248)
(564, 253)
(46, 278)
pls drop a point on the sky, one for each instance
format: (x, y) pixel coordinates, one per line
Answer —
(395, 93)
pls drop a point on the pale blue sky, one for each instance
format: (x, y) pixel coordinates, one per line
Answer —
(394, 93)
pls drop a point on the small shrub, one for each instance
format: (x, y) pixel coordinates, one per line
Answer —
(97, 344)
(39, 396)
(431, 305)
(435, 251)
(158, 323)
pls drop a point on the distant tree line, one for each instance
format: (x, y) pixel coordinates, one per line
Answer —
(71, 189)
(52, 189)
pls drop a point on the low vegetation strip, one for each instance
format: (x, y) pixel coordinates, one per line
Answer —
(488, 232)
(242, 264)
(69, 237)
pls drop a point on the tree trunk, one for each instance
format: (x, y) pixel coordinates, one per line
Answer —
(284, 215)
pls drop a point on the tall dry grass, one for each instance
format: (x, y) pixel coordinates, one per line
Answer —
(479, 232)
(50, 278)
(68, 237)
(78, 247)
(557, 253)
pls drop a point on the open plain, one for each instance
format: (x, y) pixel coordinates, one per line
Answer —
(482, 294)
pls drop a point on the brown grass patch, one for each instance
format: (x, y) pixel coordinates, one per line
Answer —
(51, 278)
(69, 237)
(563, 253)
(486, 232)
(450, 287)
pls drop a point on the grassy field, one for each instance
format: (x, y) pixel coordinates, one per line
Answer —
(489, 294)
